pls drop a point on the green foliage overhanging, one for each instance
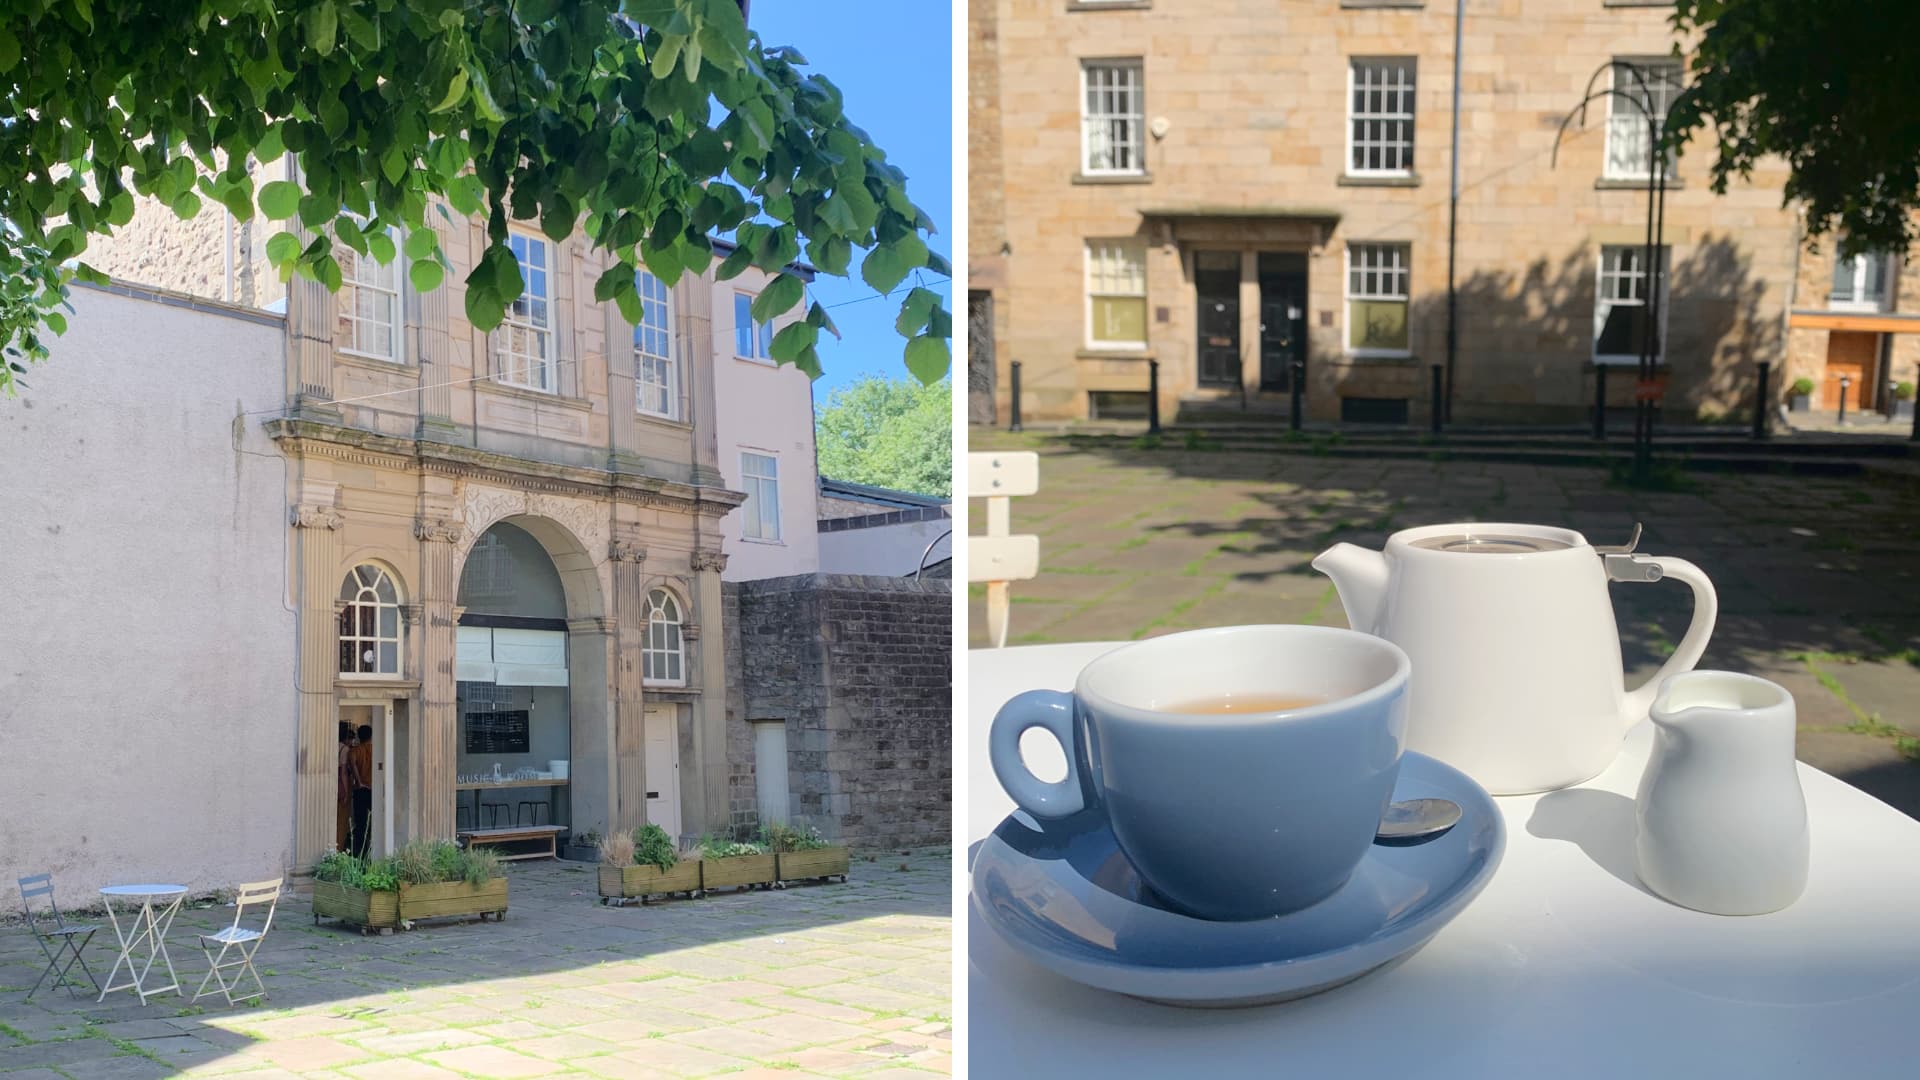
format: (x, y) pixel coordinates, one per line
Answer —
(1831, 88)
(649, 124)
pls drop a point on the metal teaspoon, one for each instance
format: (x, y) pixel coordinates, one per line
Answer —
(1416, 821)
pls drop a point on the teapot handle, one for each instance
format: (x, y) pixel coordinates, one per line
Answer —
(1706, 609)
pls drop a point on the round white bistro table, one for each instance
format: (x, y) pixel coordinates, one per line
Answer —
(1564, 966)
(149, 910)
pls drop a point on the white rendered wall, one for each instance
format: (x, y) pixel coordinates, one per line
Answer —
(146, 656)
(765, 410)
(886, 550)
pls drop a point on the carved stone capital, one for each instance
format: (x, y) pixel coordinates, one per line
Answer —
(591, 624)
(626, 551)
(315, 517)
(709, 560)
(412, 614)
(690, 631)
(440, 530)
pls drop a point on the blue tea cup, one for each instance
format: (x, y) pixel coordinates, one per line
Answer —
(1244, 769)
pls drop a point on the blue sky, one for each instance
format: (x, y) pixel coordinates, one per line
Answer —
(894, 63)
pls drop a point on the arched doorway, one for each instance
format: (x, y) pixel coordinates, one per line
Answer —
(530, 688)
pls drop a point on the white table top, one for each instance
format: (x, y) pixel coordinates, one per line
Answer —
(1564, 965)
(142, 890)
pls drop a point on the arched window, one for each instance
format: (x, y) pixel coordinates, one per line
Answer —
(370, 627)
(663, 660)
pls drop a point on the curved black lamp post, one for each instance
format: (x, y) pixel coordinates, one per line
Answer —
(1655, 268)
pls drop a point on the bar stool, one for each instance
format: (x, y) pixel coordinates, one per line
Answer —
(533, 808)
(492, 810)
(462, 816)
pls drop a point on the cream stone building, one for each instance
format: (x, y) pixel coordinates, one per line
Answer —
(1232, 189)
(506, 548)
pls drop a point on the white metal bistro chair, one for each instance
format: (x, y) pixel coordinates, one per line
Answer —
(241, 941)
(999, 558)
(57, 937)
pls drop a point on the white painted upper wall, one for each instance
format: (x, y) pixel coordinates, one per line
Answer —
(766, 411)
(147, 697)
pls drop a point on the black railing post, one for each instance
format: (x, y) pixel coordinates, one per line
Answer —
(1153, 397)
(1600, 402)
(1439, 405)
(1760, 401)
(1297, 376)
(1015, 425)
(1845, 384)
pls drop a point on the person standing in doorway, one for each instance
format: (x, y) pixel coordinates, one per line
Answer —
(362, 763)
(343, 783)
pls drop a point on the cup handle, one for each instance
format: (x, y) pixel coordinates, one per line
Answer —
(1706, 610)
(1049, 709)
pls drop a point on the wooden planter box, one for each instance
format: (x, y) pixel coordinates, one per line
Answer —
(385, 910)
(333, 900)
(740, 870)
(628, 882)
(818, 863)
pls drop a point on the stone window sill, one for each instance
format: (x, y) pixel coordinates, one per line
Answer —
(1113, 178)
(1142, 355)
(1411, 180)
(1400, 3)
(663, 421)
(1673, 183)
(1109, 5)
(1637, 3)
(373, 363)
(1380, 359)
(489, 386)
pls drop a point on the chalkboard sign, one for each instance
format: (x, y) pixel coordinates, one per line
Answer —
(504, 732)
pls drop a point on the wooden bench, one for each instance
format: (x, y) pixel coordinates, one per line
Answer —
(549, 833)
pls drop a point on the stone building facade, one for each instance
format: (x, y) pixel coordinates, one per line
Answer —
(1853, 318)
(412, 437)
(1231, 189)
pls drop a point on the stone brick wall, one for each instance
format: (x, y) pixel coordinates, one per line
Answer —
(860, 669)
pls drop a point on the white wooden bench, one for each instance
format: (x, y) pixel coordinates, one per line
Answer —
(999, 558)
(516, 834)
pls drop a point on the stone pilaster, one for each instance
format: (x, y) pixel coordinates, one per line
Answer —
(310, 319)
(629, 706)
(433, 346)
(695, 334)
(707, 642)
(623, 421)
(316, 531)
(436, 745)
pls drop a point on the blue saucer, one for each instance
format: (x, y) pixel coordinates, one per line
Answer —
(1065, 896)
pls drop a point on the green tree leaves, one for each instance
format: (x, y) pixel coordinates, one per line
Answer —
(406, 115)
(891, 432)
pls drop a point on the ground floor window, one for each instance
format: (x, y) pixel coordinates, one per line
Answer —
(1620, 303)
(1378, 290)
(515, 744)
(1117, 293)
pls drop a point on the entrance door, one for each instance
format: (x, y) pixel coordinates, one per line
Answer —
(1216, 282)
(1283, 318)
(1852, 354)
(379, 717)
(663, 768)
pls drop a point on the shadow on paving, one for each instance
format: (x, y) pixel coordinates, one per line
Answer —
(825, 978)
(1816, 576)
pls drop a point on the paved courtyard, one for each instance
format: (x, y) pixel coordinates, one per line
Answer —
(835, 980)
(1818, 577)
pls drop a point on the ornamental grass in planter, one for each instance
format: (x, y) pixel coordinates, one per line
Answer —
(644, 863)
(734, 864)
(423, 880)
(800, 854)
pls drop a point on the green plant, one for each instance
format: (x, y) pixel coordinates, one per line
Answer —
(339, 867)
(1802, 387)
(780, 836)
(480, 865)
(1903, 391)
(617, 850)
(653, 847)
(383, 875)
(591, 838)
(719, 847)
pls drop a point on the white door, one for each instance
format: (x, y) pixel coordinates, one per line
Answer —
(663, 768)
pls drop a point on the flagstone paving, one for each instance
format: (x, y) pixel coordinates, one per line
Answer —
(833, 980)
(1818, 577)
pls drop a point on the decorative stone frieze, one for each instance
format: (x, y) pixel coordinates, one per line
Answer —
(315, 517)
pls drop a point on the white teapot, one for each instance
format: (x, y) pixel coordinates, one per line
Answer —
(1517, 677)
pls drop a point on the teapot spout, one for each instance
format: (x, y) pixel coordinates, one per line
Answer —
(1360, 577)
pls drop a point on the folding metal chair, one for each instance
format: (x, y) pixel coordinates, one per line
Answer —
(242, 941)
(58, 939)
